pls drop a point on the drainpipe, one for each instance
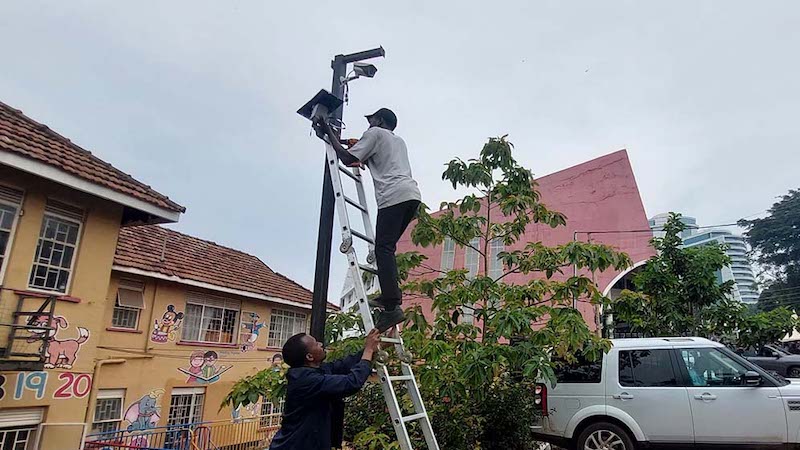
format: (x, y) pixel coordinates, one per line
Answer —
(150, 319)
(95, 383)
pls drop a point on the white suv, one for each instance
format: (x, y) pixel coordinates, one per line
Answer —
(679, 393)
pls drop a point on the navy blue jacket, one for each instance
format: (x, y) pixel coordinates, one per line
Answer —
(309, 396)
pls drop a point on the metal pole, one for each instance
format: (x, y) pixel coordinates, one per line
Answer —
(319, 303)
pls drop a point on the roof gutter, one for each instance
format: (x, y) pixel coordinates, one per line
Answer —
(59, 176)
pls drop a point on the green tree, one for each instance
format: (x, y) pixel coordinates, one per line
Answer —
(678, 293)
(476, 386)
(675, 287)
(775, 240)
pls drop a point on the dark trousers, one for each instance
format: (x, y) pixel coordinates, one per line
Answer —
(392, 223)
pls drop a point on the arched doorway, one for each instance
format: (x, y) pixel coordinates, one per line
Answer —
(621, 282)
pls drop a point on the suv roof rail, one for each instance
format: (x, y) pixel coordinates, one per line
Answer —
(679, 339)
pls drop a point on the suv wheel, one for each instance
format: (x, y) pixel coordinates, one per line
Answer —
(604, 436)
(793, 372)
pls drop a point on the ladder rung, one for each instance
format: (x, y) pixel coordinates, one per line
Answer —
(402, 378)
(355, 203)
(349, 173)
(414, 417)
(369, 269)
(389, 340)
(362, 236)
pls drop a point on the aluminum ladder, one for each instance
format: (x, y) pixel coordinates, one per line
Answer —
(358, 294)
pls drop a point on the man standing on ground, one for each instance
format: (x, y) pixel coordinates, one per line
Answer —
(313, 386)
(386, 156)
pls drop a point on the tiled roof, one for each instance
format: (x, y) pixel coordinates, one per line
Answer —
(23, 136)
(187, 257)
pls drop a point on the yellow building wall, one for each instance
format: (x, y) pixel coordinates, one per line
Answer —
(153, 368)
(109, 358)
(62, 391)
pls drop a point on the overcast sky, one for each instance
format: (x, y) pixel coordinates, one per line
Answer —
(198, 98)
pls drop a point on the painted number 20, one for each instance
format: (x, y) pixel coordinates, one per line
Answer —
(75, 385)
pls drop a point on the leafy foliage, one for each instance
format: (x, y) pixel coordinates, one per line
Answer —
(678, 294)
(475, 384)
(775, 240)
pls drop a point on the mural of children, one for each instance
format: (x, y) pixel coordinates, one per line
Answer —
(167, 329)
(253, 328)
(210, 370)
(277, 362)
(203, 367)
(196, 362)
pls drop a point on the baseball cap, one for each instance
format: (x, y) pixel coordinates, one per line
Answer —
(389, 118)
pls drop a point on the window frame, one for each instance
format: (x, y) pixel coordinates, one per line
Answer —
(130, 285)
(49, 212)
(448, 255)
(194, 392)
(30, 438)
(267, 420)
(495, 270)
(767, 379)
(468, 252)
(676, 373)
(106, 394)
(469, 311)
(202, 300)
(280, 312)
(13, 230)
(583, 362)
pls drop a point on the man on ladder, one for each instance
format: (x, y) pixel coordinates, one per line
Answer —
(398, 197)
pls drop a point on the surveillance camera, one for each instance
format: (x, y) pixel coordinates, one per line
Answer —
(364, 69)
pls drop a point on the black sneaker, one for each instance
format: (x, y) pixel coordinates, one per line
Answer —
(388, 319)
(382, 303)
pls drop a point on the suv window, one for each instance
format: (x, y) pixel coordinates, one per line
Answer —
(646, 368)
(583, 371)
(711, 367)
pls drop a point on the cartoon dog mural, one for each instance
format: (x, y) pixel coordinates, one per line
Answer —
(60, 354)
(253, 328)
(144, 413)
(168, 328)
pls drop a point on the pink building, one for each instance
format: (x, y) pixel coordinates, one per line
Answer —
(598, 197)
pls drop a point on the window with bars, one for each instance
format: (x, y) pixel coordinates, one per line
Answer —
(210, 319)
(448, 254)
(10, 201)
(186, 406)
(128, 305)
(108, 410)
(472, 258)
(55, 251)
(471, 262)
(271, 414)
(285, 324)
(17, 438)
(495, 264)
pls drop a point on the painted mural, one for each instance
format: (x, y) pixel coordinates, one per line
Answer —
(144, 413)
(61, 353)
(203, 368)
(167, 328)
(250, 331)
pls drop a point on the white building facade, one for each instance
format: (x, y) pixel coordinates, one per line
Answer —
(740, 271)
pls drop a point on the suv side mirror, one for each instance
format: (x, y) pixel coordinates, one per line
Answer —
(752, 378)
